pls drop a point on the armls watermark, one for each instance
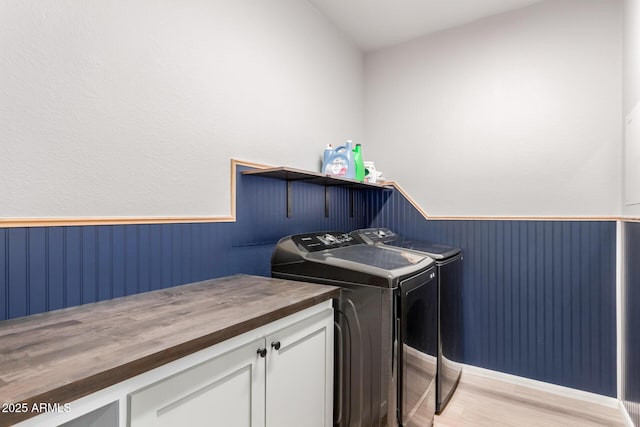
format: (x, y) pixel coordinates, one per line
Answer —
(37, 407)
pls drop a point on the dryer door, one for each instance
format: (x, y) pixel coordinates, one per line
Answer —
(418, 314)
(451, 332)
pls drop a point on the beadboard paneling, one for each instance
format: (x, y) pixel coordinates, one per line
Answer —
(631, 321)
(539, 295)
(47, 268)
(4, 274)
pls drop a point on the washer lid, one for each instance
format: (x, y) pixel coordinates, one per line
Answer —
(434, 250)
(363, 257)
(389, 238)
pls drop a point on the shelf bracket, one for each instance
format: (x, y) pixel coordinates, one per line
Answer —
(326, 201)
(289, 199)
(351, 198)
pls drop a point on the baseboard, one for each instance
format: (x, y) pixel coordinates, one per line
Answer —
(586, 396)
(625, 414)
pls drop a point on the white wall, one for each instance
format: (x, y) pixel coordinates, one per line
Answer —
(518, 114)
(631, 83)
(134, 108)
(631, 55)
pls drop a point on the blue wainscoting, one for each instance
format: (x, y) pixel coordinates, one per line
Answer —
(539, 295)
(47, 268)
(631, 321)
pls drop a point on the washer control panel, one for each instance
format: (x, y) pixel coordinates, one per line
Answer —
(314, 242)
(376, 235)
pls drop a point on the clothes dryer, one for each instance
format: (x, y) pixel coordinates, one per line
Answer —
(448, 305)
(382, 378)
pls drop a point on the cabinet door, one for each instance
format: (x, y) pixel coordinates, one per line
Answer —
(300, 374)
(227, 390)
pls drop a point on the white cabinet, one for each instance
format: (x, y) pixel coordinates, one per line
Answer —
(300, 374)
(228, 388)
(229, 384)
(284, 379)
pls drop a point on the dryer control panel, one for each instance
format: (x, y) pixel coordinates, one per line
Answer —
(314, 242)
(375, 235)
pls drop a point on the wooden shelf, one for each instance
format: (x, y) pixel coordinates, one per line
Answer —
(290, 175)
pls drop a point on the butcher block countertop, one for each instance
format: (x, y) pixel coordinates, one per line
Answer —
(66, 354)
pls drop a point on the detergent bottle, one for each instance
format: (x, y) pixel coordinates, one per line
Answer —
(328, 151)
(339, 162)
(357, 159)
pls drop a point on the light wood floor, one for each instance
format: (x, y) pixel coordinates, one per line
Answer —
(480, 402)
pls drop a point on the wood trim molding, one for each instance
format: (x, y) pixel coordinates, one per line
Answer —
(526, 218)
(60, 222)
(234, 165)
(409, 199)
(499, 217)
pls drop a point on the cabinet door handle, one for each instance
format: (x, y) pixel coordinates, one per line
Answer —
(275, 345)
(262, 352)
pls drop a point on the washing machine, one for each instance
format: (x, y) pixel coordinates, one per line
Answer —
(449, 305)
(382, 375)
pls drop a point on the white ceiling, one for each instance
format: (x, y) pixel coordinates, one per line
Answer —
(373, 24)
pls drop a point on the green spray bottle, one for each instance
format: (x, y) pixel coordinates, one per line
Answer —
(357, 158)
